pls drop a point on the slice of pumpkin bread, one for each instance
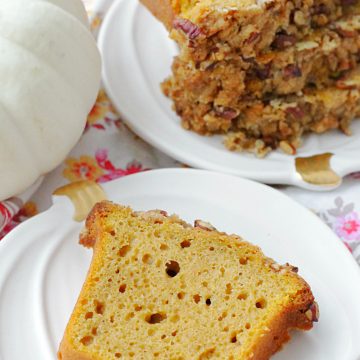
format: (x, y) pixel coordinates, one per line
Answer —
(158, 288)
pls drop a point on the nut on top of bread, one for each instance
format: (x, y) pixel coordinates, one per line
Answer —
(159, 288)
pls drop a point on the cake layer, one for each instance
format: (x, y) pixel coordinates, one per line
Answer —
(317, 61)
(248, 28)
(262, 125)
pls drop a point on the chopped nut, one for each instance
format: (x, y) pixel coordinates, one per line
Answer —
(348, 2)
(295, 111)
(346, 33)
(275, 266)
(292, 268)
(226, 112)
(254, 36)
(346, 84)
(292, 71)
(329, 44)
(204, 225)
(287, 148)
(313, 313)
(266, 58)
(321, 9)
(306, 45)
(264, 72)
(283, 41)
(189, 28)
(299, 18)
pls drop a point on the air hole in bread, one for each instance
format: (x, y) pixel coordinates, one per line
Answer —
(99, 307)
(211, 248)
(112, 319)
(233, 338)
(163, 337)
(197, 298)
(138, 308)
(261, 303)
(174, 333)
(172, 268)
(112, 232)
(117, 355)
(247, 326)
(124, 250)
(242, 296)
(185, 244)
(94, 330)
(87, 340)
(181, 295)
(89, 315)
(208, 302)
(155, 318)
(163, 247)
(147, 259)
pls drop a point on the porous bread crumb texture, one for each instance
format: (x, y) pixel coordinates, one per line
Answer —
(158, 288)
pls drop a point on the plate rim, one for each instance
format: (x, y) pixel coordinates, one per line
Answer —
(286, 174)
(185, 172)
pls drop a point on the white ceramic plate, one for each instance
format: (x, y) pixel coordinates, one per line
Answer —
(137, 56)
(43, 267)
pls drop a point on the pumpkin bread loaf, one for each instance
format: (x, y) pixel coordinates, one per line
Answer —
(158, 288)
(235, 54)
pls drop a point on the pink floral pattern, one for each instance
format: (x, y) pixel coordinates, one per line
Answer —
(113, 172)
(348, 227)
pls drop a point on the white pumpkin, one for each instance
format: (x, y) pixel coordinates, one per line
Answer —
(50, 74)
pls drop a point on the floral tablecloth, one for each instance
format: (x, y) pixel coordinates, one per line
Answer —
(109, 150)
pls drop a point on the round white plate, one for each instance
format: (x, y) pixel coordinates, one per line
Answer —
(43, 266)
(137, 56)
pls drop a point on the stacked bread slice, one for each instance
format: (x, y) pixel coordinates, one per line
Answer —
(263, 72)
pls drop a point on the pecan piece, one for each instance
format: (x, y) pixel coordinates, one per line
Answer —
(189, 28)
(283, 41)
(295, 111)
(254, 36)
(320, 9)
(346, 33)
(292, 71)
(204, 225)
(344, 84)
(313, 312)
(348, 2)
(226, 112)
(264, 72)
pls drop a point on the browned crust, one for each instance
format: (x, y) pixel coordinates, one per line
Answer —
(161, 9)
(67, 352)
(292, 317)
(93, 229)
